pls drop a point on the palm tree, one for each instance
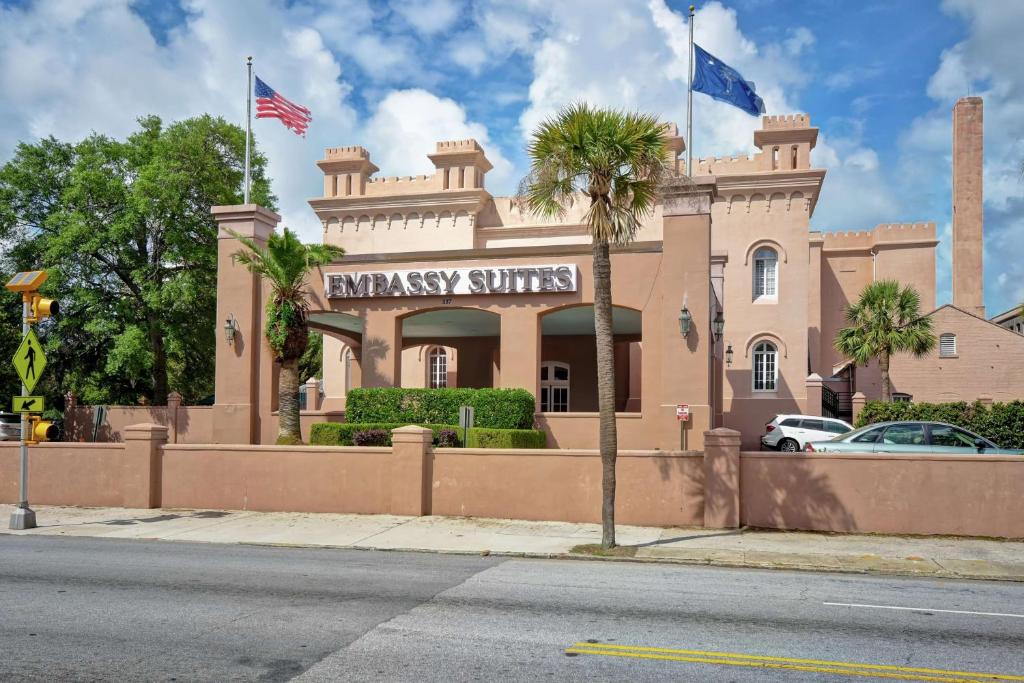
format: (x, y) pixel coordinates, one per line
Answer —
(284, 262)
(618, 161)
(885, 320)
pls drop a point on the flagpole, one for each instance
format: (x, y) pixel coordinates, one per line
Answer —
(248, 129)
(689, 104)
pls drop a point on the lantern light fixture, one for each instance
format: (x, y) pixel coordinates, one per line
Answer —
(718, 325)
(230, 327)
(685, 321)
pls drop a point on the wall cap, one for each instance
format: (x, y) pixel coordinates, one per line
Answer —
(411, 434)
(147, 431)
(721, 436)
(814, 378)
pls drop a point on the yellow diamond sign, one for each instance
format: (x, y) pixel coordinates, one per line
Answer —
(29, 361)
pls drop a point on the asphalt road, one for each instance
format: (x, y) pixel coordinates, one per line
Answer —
(80, 609)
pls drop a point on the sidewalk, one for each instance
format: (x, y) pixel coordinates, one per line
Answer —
(935, 556)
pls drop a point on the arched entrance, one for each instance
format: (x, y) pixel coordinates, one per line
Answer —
(568, 368)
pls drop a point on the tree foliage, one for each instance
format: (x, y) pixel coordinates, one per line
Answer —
(885, 320)
(124, 230)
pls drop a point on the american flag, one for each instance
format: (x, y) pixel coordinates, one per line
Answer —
(270, 104)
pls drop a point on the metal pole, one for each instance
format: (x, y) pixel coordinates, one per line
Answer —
(689, 104)
(23, 516)
(248, 129)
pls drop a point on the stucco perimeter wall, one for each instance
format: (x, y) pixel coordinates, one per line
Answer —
(277, 478)
(87, 475)
(968, 495)
(655, 488)
(192, 424)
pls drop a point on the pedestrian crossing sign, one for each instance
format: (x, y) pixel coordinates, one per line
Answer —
(29, 360)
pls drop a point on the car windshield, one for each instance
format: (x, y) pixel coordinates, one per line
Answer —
(856, 432)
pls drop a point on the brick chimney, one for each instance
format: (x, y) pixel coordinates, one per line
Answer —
(968, 217)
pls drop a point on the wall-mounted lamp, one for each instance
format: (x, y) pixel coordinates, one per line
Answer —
(718, 325)
(728, 355)
(230, 326)
(685, 321)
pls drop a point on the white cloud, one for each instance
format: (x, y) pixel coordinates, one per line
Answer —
(654, 44)
(428, 16)
(985, 63)
(63, 75)
(408, 124)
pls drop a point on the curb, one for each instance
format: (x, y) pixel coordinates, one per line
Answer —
(867, 570)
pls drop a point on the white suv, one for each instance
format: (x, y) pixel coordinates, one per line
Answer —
(791, 433)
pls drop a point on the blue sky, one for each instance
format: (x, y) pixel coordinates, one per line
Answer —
(878, 78)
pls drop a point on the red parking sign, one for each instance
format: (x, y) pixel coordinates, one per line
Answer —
(683, 412)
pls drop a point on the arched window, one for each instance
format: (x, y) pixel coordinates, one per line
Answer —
(766, 265)
(554, 388)
(766, 366)
(437, 368)
(947, 345)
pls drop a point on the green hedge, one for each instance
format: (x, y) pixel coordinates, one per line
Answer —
(1003, 423)
(340, 433)
(493, 408)
(506, 438)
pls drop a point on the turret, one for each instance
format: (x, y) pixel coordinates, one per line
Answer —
(346, 170)
(461, 164)
(786, 142)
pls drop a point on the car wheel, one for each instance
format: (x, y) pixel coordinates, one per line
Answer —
(789, 446)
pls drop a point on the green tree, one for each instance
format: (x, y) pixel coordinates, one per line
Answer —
(284, 263)
(617, 161)
(312, 362)
(885, 320)
(125, 231)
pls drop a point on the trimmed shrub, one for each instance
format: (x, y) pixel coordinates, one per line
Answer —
(371, 437)
(448, 438)
(493, 408)
(343, 433)
(1003, 423)
(506, 438)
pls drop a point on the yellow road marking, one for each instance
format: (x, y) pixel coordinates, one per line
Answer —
(787, 663)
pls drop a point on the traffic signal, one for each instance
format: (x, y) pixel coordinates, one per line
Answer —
(40, 430)
(42, 308)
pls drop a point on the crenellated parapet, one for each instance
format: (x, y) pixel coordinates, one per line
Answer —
(886, 234)
(348, 171)
(787, 121)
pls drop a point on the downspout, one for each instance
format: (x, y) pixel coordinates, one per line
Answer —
(874, 253)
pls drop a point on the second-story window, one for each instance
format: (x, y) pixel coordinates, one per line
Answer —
(766, 265)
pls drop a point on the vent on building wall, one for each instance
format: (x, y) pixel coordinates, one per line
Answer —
(947, 345)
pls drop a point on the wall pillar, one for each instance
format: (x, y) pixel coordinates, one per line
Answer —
(410, 470)
(683, 373)
(143, 450)
(312, 389)
(815, 387)
(722, 478)
(519, 351)
(173, 403)
(239, 298)
(985, 400)
(381, 357)
(857, 401)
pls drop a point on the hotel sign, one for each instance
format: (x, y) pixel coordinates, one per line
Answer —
(445, 282)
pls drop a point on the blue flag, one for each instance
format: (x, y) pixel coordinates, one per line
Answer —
(714, 77)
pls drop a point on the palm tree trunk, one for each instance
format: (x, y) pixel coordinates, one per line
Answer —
(288, 431)
(605, 387)
(883, 365)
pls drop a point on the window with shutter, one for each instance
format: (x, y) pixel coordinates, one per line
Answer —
(947, 345)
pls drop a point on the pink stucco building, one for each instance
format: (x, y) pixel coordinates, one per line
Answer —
(444, 284)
